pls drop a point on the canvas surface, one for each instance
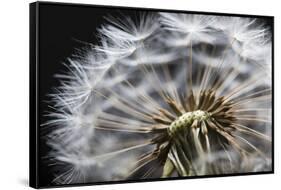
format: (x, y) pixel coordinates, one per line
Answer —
(133, 94)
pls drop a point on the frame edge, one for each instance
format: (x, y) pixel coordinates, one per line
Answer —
(33, 137)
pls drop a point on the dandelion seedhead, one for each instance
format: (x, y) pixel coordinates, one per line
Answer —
(165, 95)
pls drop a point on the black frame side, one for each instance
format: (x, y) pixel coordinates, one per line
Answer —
(33, 101)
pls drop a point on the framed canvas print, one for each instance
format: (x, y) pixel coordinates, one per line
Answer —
(122, 94)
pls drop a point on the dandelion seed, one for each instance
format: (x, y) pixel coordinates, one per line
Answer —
(122, 37)
(244, 34)
(197, 28)
(125, 29)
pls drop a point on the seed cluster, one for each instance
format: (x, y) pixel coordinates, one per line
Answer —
(194, 124)
(186, 120)
(205, 109)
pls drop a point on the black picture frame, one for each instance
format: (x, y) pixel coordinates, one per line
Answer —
(39, 176)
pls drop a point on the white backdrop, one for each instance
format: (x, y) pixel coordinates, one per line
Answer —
(14, 94)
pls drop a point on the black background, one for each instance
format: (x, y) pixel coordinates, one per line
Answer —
(62, 27)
